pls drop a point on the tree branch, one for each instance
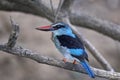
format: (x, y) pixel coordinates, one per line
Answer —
(19, 51)
(37, 7)
(14, 34)
(107, 28)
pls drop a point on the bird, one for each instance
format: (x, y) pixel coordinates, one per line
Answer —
(68, 43)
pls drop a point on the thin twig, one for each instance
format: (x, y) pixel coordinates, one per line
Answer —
(53, 11)
(58, 10)
(14, 34)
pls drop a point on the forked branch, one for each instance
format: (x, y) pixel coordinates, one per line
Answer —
(20, 51)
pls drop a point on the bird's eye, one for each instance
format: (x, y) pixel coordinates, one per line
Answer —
(58, 27)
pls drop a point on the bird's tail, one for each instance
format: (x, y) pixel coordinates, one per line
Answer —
(88, 69)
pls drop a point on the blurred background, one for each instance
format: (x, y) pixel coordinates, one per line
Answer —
(18, 68)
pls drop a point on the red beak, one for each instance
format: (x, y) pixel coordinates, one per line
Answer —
(45, 28)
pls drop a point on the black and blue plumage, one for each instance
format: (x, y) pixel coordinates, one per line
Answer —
(69, 44)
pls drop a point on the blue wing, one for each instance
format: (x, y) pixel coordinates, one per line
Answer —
(79, 54)
(74, 45)
(70, 42)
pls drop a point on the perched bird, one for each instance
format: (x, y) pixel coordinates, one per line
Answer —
(69, 44)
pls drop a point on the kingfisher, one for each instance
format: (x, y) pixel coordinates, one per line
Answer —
(69, 45)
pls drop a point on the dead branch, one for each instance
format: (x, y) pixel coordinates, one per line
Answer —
(20, 51)
(37, 7)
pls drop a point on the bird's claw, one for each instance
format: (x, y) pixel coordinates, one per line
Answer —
(74, 62)
(64, 60)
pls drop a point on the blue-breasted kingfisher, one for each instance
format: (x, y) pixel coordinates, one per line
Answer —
(67, 42)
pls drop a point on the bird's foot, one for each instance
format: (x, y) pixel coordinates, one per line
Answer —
(64, 60)
(74, 62)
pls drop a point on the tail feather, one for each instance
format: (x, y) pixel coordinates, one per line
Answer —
(88, 69)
